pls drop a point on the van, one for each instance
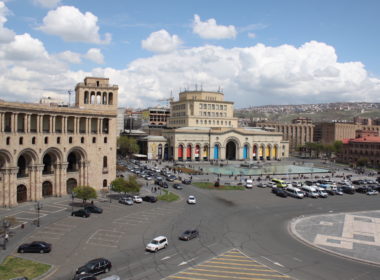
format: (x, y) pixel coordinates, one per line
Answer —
(294, 192)
(279, 183)
(249, 183)
(310, 191)
(157, 243)
(322, 192)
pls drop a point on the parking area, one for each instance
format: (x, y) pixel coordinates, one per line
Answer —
(232, 264)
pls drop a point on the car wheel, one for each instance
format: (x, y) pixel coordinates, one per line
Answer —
(166, 245)
(22, 251)
(41, 251)
(156, 250)
(106, 270)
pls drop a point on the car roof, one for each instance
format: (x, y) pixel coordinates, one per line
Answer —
(159, 237)
(97, 260)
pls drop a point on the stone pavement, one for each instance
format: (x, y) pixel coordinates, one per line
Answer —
(354, 235)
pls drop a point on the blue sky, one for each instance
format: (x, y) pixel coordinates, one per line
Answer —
(258, 52)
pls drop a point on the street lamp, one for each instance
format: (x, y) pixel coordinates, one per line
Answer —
(38, 207)
(6, 225)
(72, 202)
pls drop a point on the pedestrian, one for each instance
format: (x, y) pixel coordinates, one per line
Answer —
(6, 237)
(92, 202)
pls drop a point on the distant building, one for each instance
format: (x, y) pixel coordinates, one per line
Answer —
(328, 133)
(366, 145)
(158, 116)
(299, 132)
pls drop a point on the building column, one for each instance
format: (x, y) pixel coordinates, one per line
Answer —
(11, 175)
(101, 126)
(4, 188)
(88, 125)
(14, 122)
(40, 119)
(52, 123)
(27, 123)
(2, 122)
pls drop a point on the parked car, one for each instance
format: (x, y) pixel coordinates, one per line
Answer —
(95, 266)
(171, 178)
(348, 189)
(137, 199)
(372, 192)
(157, 243)
(186, 181)
(177, 186)
(35, 247)
(85, 276)
(249, 183)
(189, 234)
(295, 192)
(93, 209)
(126, 200)
(81, 213)
(191, 199)
(281, 192)
(149, 198)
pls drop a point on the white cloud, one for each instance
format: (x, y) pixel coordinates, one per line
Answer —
(70, 56)
(161, 42)
(210, 30)
(251, 35)
(95, 55)
(6, 35)
(47, 3)
(71, 25)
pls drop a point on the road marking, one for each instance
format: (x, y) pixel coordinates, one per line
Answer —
(276, 263)
(186, 262)
(168, 257)
(240, 273)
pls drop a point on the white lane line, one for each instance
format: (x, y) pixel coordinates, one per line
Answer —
(186, 262)
(168, 257)
(276, 263)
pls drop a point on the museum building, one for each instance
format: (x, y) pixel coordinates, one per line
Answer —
(202, 127)
(47, 150)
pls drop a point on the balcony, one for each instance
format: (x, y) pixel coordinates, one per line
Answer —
(105, 170)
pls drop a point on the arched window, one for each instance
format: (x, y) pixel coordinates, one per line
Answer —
(58, 140)
(82, 140)
(33, 140)
(21, 141)
(94, 140)
(46, 140)
(105, 184)
(70, 140)
(105, 140)
(110, 98)
(105, 162)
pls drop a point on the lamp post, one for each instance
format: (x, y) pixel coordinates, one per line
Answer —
(38, 207)
(109, 192)
(72, 202)
(5, 225)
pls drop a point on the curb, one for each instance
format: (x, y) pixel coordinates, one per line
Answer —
(292, 231)
(48, 273)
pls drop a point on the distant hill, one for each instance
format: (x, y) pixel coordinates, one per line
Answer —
(316, 112)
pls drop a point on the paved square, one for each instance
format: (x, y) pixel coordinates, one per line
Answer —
(230, 265)
(106, 238)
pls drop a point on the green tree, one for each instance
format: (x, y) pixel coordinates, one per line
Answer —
(119, 185)
(362, 162)
(132, 185)
(338, 146)
(85, 193)
(127, 145)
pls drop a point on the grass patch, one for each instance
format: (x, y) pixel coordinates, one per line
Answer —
(168, 196)
(186, 170)
(210, 186)
(13, 267)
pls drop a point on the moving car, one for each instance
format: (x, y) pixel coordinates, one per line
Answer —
(249, 183)
(81, 213)
(191, 199)
(137, 199)
(189, 234)
(157, 243)
(149, 198)
(186, 181)
(95, 266)
(35, 247)
(93, 209)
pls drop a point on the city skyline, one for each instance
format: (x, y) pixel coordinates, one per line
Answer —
(288, 52)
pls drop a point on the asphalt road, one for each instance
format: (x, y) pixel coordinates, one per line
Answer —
(255, 222)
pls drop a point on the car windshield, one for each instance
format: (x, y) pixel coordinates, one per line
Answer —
(187, 232)
(155, 242)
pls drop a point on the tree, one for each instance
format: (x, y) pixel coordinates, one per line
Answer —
(362, 162)
(85, 193)
(338, 146)
(119, 185)
(127, 145)
(132, 185)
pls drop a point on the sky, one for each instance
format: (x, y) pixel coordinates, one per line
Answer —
(271, 52)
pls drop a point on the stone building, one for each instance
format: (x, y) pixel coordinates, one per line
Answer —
(328, 133)
(299, 132)
(46, 151)
(366, 145)
(202, 127)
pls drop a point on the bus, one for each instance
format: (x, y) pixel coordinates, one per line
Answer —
(279, 183)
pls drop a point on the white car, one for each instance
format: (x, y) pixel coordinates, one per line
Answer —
(157, 243)
(249, 183)
(137, 199)
(191, 199)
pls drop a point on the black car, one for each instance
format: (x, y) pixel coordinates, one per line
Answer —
(348, 189)
(95, 266)
(281, 192)
(171, 178)
(149, 198)
(189, 234)
(35, 247)
(85, 276)
(177, 186)
(81, 213)
(363, 189)
(164, 185)
(93, 209)
(186, 181)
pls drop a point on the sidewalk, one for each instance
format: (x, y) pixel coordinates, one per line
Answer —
(354, 235)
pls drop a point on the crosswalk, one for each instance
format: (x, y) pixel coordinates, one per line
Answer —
(232, 264)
